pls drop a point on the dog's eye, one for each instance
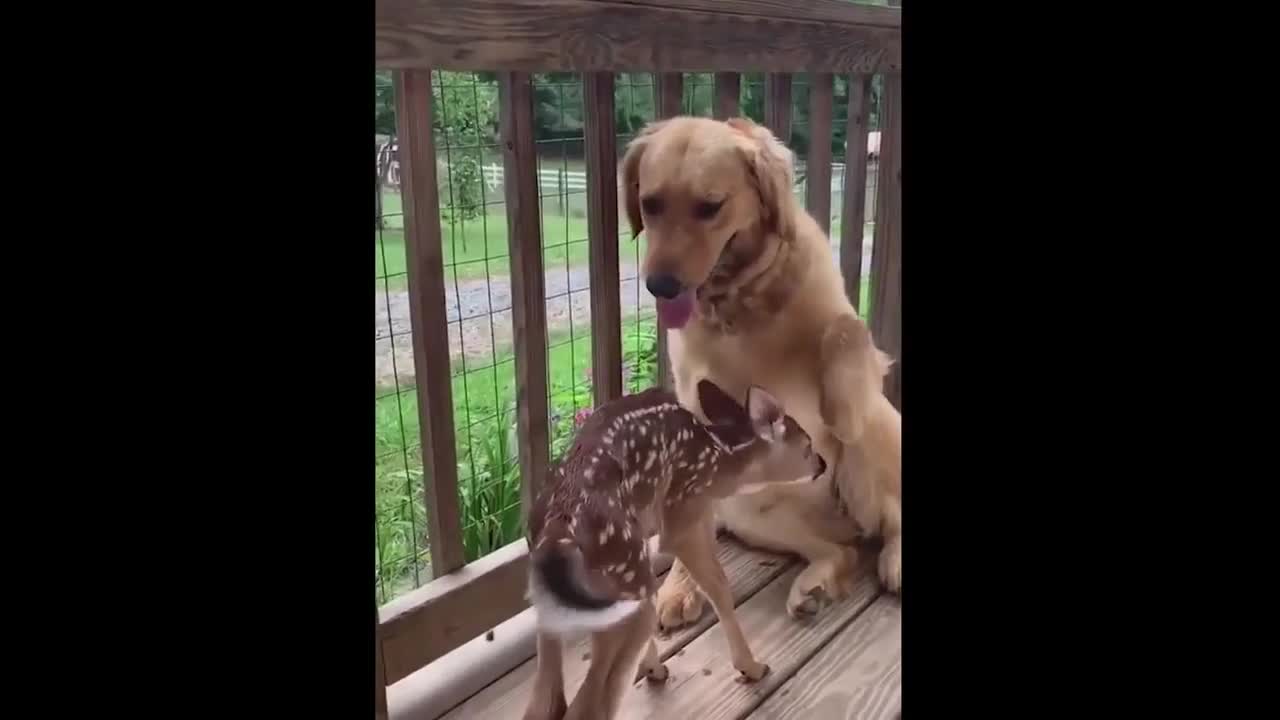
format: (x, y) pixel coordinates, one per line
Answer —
(706, 210)
(651, 205)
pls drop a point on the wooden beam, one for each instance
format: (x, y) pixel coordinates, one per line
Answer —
(669, 89)
(728, 91)
(613, 36)
(886, 254)
(426, 623)
(777, 105)
(427, 317)
(528, 293)
(853, 212)
(600, 144)
(818, 166)
(837, 11)
(379, 672)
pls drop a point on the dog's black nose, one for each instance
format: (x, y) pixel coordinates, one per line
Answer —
(822, 466)
(663, 285)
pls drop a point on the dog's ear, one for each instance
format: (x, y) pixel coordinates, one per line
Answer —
(772, 170)
(629, 174)
(766, 414)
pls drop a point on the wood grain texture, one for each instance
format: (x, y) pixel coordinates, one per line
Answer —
(703, 683)
(599, 142)
(427, 317)
(669, 101)
(853, 212)
(838, 11)
(886, 254)
(613, 36)
(818, 165)
(424, 624)
(777, 105)
(728, 92)
(857, 675)
(528, 293)
(748, 571)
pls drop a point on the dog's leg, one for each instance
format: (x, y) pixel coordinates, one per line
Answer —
(678, 600)
(891, 554)
(546, 702)
(697, 549)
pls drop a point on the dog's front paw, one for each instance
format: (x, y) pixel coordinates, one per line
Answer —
(678, 603)
(825, 581)
(891, 566)
(751, 671)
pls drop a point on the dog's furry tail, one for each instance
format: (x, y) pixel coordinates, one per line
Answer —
(562, 594)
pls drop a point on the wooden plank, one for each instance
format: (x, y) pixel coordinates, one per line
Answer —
(599, 142)
(427, 317)
(818, 166)
(703, 683)
(728, 91)
(838, 11)
(379, 673)
(669, 101)
(857, 675)
(853, 213)
(424, 624)
(748, 571)
(777, 105)
(528, 293)
(617, 36)
(886, 253)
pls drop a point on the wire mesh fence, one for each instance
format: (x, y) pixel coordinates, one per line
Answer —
(478, 296)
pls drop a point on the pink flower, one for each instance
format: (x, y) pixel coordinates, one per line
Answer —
(580, 417)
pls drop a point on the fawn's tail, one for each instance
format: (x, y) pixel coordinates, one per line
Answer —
(560, 589)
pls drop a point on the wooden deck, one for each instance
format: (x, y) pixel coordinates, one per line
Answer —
(845, 663)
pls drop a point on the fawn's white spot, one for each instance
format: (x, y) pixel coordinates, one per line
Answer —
(565, 541)
(603, 537)
(648, 461)
(628, 576)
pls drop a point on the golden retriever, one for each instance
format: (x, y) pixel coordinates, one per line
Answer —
(747, 286)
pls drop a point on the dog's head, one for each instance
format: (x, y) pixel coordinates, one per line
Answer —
(693, 183)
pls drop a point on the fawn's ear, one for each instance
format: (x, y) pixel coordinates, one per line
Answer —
(766, 414)
(718, 407)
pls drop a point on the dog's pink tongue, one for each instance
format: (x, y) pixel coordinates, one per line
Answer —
(676, 311)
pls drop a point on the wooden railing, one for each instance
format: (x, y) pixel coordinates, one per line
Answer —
(599, 38)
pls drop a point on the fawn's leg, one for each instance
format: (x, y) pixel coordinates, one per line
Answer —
(633, 635)
(697, 548)
(546, 702)
(597, 699)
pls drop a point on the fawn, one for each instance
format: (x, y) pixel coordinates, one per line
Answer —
(640, 463)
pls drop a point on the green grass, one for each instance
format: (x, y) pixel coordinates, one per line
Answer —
(488, 474)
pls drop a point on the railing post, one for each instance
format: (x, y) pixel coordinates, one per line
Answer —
(602, 236)
(669, 102)
(425, 267)
(886, 254)
(728, 90)
(528, 294)
(777, 105)
(818, 166)
(854, 210)
(379, 671)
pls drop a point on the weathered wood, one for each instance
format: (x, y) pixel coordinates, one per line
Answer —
(616, 35)
(818, 166)
(857, 675)
(777, 105)
(706, 684)
(748, 571)
(528, 295)
(424, 624)
(602, 236)
(669, 101)
(840, 11)
(853, 212)
(428, 319)
(886, 253)
(379, 672)
(728, 91)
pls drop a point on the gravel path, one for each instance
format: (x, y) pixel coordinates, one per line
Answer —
(567, 297)
(567, 294)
